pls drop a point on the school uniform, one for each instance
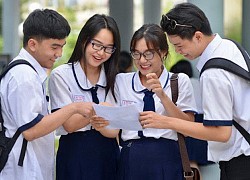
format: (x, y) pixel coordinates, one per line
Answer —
(155, 155)
(23, 100)
(84, 154)
(225, 97)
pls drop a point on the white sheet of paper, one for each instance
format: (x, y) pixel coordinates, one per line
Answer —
(122, 117)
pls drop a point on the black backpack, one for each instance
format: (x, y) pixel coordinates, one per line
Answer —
(230, 66)
(6, 144)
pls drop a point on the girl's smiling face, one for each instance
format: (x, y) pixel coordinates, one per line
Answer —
(145, 64)
(94, 58)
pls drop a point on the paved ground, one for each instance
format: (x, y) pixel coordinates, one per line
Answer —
(210, 172)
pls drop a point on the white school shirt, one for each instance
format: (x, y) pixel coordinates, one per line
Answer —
(225, 97)
(126, 88)
(63, 89)
(197, 94)
(23, 99)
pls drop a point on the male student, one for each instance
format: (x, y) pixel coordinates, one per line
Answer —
(225, 95)
(24, 102)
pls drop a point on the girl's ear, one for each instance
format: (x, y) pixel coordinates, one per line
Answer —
(163, 54)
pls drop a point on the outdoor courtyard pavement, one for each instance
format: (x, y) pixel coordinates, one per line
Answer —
(210, 172)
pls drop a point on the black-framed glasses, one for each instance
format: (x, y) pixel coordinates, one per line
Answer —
(148, 54)
(99, 47)
(173, 23)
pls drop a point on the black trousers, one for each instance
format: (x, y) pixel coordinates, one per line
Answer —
(237, 168)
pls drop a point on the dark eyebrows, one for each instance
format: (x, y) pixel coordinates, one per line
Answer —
(111, 45)
(58, 45)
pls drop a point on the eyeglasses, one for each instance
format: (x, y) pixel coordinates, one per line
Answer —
(173, 23)
(99, 47)
(148, 54)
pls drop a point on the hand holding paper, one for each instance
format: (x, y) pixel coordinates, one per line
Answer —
(122, 117)
(98, 122)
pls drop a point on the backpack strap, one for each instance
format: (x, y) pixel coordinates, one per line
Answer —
(3, 73)
(230, 66)
(243, 52)
(12, 140)
(188, 172)
(14, 63)
(244, 133)
(227, 65)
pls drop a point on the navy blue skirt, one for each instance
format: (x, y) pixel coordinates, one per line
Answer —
(150, 159)
(87, 156)
(197, 149)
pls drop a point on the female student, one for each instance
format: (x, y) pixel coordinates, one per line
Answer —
(89, 76)
(152, 154)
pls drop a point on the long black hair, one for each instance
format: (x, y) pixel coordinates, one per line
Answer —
(92, 27)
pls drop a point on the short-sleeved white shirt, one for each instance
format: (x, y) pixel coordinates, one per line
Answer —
(23, 100)
(127, 87)
(63, 89)
(225, 97)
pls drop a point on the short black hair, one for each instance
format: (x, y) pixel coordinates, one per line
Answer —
(186, 14)
(125, 61)
(182, 66)
(45, 24)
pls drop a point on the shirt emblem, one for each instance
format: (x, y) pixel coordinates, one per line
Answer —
(78, 98)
